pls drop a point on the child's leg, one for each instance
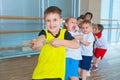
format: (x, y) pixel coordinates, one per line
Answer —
(74, 78)
(79, 71)
(97, 60)
(84, 72)
(93, 60)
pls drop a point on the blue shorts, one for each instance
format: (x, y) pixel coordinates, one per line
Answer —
(85, 63)
(71, 68)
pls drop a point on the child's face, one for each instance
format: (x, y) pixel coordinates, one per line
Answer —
(86, 28)
(53, 22)
(88, 17)
(94, 28)
(80, 21)
(71, 24)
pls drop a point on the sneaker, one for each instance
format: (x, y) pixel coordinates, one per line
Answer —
(88, 73)
(94, 68)
(80, 78)
(92, 63)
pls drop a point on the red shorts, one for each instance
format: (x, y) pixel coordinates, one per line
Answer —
(99, 53)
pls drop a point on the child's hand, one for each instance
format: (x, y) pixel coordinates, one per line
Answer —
(78, 37)
(32, 44)
(56, 42)
(36, 44)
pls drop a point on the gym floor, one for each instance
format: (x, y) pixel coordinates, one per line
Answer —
(21, 68)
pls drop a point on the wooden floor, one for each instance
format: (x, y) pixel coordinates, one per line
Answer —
(21, 68)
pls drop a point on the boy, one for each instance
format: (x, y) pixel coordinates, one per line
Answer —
(86, 48)
(52, 42)
(101, 47)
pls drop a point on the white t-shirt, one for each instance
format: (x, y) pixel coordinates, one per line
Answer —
(101, 43)
(87, 50)
(74, 53)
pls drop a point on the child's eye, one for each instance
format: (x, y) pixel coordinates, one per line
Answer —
(55, 19)
(71, 22)
(47, 20)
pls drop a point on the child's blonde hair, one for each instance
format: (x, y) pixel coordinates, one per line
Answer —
(65, 27)
(94, 26)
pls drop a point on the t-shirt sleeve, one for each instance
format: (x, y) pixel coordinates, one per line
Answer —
(90, 38)
(42, 33)
(68, 36)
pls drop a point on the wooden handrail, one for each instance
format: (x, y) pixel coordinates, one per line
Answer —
(112, 28)
(27, 31)
(17, 31)
(22, 17)
(109, 19)
(13, 47)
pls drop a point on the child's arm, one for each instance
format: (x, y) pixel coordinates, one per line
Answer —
(78, 37)
(36, 44)
(67, 43)
(84, 42)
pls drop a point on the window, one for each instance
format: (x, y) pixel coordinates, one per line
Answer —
(111, 19)
(15, 32)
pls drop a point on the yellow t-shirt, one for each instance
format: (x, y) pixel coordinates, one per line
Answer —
(51, 61)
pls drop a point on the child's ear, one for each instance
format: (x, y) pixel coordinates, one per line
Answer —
(66, 24)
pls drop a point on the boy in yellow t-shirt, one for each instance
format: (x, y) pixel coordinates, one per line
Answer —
(52, 43)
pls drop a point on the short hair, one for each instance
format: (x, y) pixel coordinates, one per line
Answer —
(52, 9)
(100, 27)
(89, 13)
(86, 22)
(81, 17)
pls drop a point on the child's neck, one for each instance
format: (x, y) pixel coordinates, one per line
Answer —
(87, 33)
(55, 33)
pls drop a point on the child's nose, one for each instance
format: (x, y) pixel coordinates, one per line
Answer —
(51, 23)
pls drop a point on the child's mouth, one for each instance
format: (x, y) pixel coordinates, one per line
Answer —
(74, 28)
(52, 27)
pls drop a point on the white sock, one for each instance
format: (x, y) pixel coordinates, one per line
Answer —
(96, 65)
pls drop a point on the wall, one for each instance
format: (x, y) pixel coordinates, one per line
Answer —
(93, 6)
